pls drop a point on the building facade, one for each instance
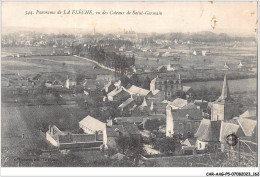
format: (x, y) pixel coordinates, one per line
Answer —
(168, 87)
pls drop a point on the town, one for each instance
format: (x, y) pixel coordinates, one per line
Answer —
(129, 99)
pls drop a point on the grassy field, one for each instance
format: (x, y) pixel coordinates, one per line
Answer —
(217, 57)
(241, 85)
(27, 121)
(47, 64)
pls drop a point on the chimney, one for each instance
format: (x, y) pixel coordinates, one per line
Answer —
(179, 78)
(50, 128)
(117, 131)
(109, 122)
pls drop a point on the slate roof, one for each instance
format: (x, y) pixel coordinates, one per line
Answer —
(208, 130)
(227, 129)
(138, 90)
(116, 91)
(202, 104)
(155, 92)
(109, 84)
(132, 119)
(160, 67)
(126, 129)
(181, 114)
(93, 123)
(112, 131)
(190, 106)
(251, 112)
(247, 125)
(157, 79)
(133, 108)
(189, 142)
(131, 129)
(186, 88)
(178, 102)
(125, 103)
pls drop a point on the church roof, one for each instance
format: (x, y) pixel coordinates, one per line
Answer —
(225, 96)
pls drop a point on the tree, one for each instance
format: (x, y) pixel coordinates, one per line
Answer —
(135, 80)
(167, 145)
(151, 124)
(122, 143)
(130, 146)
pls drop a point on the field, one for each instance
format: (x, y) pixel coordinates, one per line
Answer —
(28, 120)
(46, 64)
(235, 86)
(29, 50)
(218, 56)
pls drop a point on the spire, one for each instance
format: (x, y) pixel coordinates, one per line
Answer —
(225, 90)
(144, 103)
(151, 108)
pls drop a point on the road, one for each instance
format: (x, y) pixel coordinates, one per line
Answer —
(100, 65)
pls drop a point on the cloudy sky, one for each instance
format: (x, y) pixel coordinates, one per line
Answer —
(230, 17)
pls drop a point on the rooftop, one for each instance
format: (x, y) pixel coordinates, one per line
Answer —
(208, 130)
(138, 90)
(125, 103)
(93, 123)
(178, 103)
(182, 114)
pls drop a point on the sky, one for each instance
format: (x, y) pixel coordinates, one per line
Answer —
(238, 18)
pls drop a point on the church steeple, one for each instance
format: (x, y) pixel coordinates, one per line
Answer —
(224, 108)
(225, 96)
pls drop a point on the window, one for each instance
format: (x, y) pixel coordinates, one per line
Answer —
(200, 145)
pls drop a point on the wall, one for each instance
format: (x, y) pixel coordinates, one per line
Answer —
(80, 145)
(203, 145)
(217, 112)
(169, 123)
(51, 140)
(225, 111)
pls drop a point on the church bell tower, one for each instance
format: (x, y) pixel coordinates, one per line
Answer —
(224, 108)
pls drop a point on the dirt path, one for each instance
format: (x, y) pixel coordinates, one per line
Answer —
(100, 65)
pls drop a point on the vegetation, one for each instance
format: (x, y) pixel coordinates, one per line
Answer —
(130, 146)
(167, 145)
(151, 124)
